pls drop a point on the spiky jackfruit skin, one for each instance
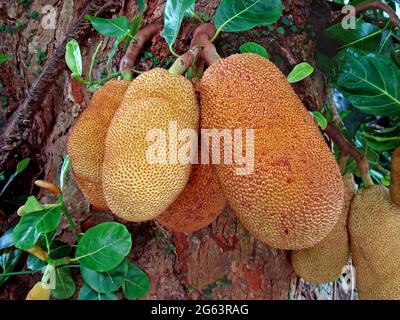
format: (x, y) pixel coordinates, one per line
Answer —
(135, 189)
(374, 225)
(294, 196)
(395, 177)
(87, 139)
(198, 205)
(324, 262)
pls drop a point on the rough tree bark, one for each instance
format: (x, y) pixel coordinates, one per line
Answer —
(181, 266)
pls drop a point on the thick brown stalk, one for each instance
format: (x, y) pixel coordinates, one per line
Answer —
(380, 6)
(20, 121)
(142, 36)
(395, 177)
(201, 37)
(185, 61)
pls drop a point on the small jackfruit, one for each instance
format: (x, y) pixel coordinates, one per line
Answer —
(395, 177)
(87, 138)
(198, 205)
(374, 225)
(136, 187)
(324, 262)
(293, 198)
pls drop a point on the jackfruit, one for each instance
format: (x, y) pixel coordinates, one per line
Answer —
(294, 196)
(395, 177)
(198, 205)
(324, 262)
(87, 138)
(135, 188)
(374, 225)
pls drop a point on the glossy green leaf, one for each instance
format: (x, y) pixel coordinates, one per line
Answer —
(380, 144)
(8, 260)
(114, 49)
(133, 29)
(59, 249)
(136, 284)
(105, 282)
(371, 85)
(33, 263)
(21, 166)
(31, 225)
(6, 240)
(109, 27)
(242, 15)
(32, 205)
(88, 293)
(300, 72)
(321, 120)
(103, 247)
(4, 57)
(65, 284)
(73, 58)
(173, 15)
(252, 47)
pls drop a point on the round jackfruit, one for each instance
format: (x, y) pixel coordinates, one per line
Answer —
(324, 262)
(198, 205)
(138, 187)
(395, 177)
(87, 138)
(293, 197)
(374, 225)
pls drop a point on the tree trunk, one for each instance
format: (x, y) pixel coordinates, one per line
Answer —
(221, 261)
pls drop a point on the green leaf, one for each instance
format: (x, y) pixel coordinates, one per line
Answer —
(32, 205)
(31, 225)
(103, 247)
(133, 29)
(371, 85)
(380, 144)
(252, 47)
(59, 250)
(21, 166)
(114, 49)
(136, 284)
(65, 284)
(242, 15)
(321, 120)
(33, 263)
(142, 6)
(173, 15)
(93, 61)
(300, 72)
(73, 58)
(109, 27)
(64, 170)
(4, 57)
(6, 240)
(105, 282)
(88, 293)
(8, 261)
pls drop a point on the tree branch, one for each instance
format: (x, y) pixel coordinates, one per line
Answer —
(380, 6)
(136, 45)
(201, 37)
(19, 122)
(395, 177)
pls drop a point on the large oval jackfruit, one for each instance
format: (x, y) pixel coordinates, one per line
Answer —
(395, 177)
(374, 226)
(134, 188)
(198, 205)
(324, 262)
(87, 138)
(294, 196)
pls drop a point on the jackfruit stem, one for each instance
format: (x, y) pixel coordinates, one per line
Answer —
(134, 48)
(395, 177)
(201, 37)
(185, 61)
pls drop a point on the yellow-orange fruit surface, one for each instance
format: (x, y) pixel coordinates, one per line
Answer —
(374, 225)
(324, 262)
(87, 139)
(198, 205)
(135, 188)
(294, 196)
(395, 177)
